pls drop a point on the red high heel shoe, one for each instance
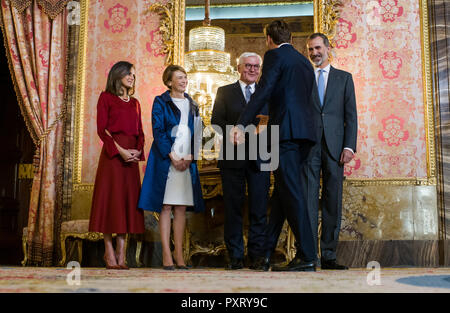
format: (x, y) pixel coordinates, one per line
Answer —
(109, 266)
(121, 266)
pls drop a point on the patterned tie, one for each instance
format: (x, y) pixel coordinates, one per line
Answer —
(248, 93)
(321, 86)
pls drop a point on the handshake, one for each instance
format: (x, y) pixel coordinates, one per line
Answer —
(237, 136)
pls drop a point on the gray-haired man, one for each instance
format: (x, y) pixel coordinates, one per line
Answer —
(230, 101)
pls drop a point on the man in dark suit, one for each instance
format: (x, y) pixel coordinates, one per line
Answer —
(334, 106)
(286, 84)
(229, 103)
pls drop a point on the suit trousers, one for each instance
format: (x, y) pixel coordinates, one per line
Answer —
(289, 201)
(234, 187)
(319, 161)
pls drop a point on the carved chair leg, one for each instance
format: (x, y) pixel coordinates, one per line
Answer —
(63, 251)
(138, 253)
(290, 245)
(127, 238)
(319, 234)
(245, 244)
(25, 252)
(80, 250)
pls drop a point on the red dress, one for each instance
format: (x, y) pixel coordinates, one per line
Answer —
(117, 183)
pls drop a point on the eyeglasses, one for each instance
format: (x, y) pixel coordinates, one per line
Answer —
(249, 66)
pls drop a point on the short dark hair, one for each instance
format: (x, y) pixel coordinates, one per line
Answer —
(323, 36)
(115, 75)
(168, 73)
(279, 31)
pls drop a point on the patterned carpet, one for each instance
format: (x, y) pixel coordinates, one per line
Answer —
(151, 280)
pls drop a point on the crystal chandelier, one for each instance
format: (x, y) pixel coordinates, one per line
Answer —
(208, 67)
(207, 64)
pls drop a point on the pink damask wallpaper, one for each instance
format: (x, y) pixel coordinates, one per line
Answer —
(120, 30)
(379, 42)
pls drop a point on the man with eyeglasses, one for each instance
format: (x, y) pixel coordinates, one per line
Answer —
(229, 103)
(286, 84)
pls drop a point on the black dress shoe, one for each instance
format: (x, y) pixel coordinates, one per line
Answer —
(331, 265)
(235, 264)
(296, 265)
(169, 267)
(260, 264)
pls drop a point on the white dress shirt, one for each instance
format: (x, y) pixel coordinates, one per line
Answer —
(284, 43)
(243, 85)
(326, 71)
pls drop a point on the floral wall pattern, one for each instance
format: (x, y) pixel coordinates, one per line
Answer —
(120, 30)
(379, 42)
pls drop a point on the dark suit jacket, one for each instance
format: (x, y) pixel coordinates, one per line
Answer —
(229, 104)
(337, 119)
(286, 84)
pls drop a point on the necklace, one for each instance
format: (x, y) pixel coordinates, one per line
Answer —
(128, 99)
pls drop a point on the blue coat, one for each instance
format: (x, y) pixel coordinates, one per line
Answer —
(165, 116)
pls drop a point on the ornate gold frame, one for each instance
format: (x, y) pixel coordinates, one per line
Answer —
(326, 16)
(427, 94)
(79, 109)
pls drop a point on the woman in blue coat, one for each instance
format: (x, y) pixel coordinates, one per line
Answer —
(171, 182)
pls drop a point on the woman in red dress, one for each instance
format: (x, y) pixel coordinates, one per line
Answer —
(117, 183)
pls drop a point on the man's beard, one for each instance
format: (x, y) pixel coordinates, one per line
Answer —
(317, 63)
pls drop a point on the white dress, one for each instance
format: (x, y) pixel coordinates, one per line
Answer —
(179, 184)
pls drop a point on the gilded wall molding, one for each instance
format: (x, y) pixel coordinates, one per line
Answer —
(84, 187)
(431, 181)
(172, 29)
(427, 92)
(326, 16)
(79, 110)
(166, 28)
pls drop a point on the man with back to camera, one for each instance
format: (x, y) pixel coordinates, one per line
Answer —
(286, 84)
(229, 103)
(334, 104)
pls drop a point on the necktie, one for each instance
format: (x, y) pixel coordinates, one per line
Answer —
(248, 93)
(321, 86)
